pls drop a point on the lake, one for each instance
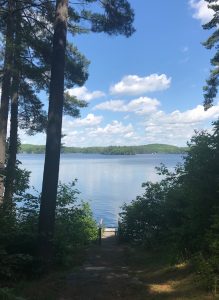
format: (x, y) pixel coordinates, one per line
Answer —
(105, 181)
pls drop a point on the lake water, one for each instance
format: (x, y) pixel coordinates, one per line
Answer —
(105, 181)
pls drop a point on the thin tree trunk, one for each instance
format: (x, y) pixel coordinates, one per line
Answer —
(53, 142)
(13, 144)
(5, 96)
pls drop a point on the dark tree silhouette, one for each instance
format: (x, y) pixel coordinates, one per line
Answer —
(53, 142)
(5, 95)
(116, 18)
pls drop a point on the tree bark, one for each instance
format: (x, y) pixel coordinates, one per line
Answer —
(5, 96)
(53, 142)
(13, 142)
(13, 145)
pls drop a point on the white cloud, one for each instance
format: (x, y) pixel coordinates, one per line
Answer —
(178, 127)
(114, 133)
(115, 127)
(113, 105)
(89, 121)
(135, 85)
(142, 105)
(192, 116)
(157, 126)
(83, 93)
(201, 10)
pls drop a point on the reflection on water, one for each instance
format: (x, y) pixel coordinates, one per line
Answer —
(106, 182)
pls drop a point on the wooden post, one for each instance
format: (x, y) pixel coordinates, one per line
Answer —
(100, 231)
(100, 235)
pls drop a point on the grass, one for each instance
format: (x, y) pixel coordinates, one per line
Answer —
(162, 279)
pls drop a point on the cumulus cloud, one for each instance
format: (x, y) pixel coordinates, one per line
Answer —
(178, 127)
(142, 105)
(157, 126)
(201, 10)
(89, 121)
(115, 127)
(83, 93)
(114, 133)
(191, 116)
(135, 85)
(112, 105)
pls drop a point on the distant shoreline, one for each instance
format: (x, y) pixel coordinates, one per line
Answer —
(110, 150)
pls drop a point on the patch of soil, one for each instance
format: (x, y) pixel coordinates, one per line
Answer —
(111, 272)
(104, 275)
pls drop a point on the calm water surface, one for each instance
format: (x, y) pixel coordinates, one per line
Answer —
(105, 181)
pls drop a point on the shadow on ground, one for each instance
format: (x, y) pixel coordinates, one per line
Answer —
(107, 275)
(114, 271)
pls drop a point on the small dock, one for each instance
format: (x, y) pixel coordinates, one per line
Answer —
(109, 232)
(106, 234)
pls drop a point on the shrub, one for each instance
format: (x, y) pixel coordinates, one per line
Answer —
(182, 210)
(74, 229)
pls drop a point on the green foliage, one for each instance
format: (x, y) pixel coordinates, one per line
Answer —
(181, 212)
(205, 270)
(109, 16)
(75, 229)
(28, 148)
(211, 89)
(72, 105)
(114, 150)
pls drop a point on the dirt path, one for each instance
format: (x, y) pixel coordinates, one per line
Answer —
(104, 275)
(114, 271)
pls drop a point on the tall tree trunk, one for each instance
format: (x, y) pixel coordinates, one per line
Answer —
(53, 142)
(5, 96)
(13, 143)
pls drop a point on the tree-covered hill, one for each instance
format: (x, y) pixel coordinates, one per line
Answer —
(120, 150)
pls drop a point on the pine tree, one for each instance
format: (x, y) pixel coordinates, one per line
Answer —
(53, 142)
(116, 18)
(211, 89)
(32, 58)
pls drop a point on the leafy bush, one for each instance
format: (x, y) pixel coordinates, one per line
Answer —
(182, 210)
(205, 270)
(74, 229)
(75, 226)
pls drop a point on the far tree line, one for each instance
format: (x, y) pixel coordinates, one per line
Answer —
(111, 150)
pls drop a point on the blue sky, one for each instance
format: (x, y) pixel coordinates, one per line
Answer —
(147, 88)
